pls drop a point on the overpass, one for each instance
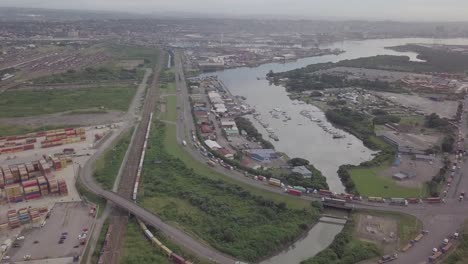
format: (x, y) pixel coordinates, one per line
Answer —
(178, 236)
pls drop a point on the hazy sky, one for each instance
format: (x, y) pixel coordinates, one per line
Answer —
(426, 10)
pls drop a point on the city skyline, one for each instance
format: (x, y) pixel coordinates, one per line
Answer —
(412, 10)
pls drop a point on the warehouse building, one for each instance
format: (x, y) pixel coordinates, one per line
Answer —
(306, 173)
(263, 155)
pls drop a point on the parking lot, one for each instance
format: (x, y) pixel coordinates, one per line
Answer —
(66, 220)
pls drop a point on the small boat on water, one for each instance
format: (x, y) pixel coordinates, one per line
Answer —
(274, 137)
(336, 136)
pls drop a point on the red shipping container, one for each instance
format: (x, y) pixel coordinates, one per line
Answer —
(29, 183)
(294, 192)
(434, 200)
(177, 259)
(33, 196)
(31, 140)
(325, 192)
(28, 147)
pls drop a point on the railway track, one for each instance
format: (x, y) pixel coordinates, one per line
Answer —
(127, 180)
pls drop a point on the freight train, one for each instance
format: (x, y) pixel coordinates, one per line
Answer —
(142, 158)
(173, 256)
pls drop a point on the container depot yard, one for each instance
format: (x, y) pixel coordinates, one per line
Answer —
(66, 222)
(38, 191)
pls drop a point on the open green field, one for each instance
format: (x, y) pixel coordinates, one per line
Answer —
(126, 52)
(412, 120)
(169, 88)
(91, 75)
(171, 108)
(408, 226)
(227, 216)
(9, 130)
(31, 103)
(137, 249)
(108, 165)
(370, 183)
(175, 149)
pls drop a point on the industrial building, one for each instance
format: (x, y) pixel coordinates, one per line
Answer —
(306, 173)
(263, 155)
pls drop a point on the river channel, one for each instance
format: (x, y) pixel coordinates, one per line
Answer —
(299, 136)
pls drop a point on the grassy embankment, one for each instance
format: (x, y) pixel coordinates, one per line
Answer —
(204, 203)
(107, 167)
(32, 103)
(170, 113)
(100, 241)
(347, 249)
(460, 255)
(137, 249)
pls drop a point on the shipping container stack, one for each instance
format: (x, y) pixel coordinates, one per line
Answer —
(23, 215)
(43, 210)
(43, 185)
(23, 172)
(13, 219)
(31, 190)
(63, 136)
(14, 192)
(53, 184)
(44, 167)
(57, 164)
(33, 171)
(62, 187)
(64, 162)
(2, 179)
(15, 172)
(8, 177)
(34, 214)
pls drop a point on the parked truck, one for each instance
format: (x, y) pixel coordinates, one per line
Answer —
(433, 200)
(388, 258)
(327, 200)
(323, 192)
(274, 182)
(435, 256)
(399, 201)
(376, 199)
(294, 192)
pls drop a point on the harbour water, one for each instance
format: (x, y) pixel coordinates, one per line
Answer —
(299, 136)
